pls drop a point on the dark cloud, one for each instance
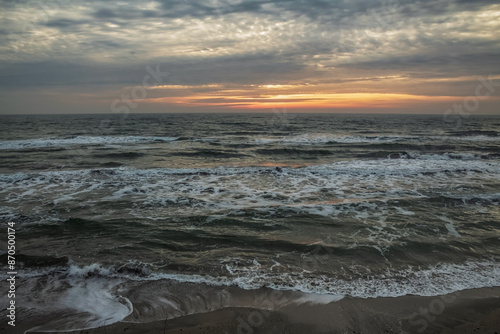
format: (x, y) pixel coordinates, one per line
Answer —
(105, 13)
(65, 23)
(438, 65)
(327, 10)
(54, 73)
(243, 69)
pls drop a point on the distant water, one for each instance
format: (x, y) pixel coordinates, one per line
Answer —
(359, 205)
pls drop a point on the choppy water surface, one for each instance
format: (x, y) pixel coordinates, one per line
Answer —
(105, 206)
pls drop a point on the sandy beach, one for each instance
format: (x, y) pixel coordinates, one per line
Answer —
(469, 311)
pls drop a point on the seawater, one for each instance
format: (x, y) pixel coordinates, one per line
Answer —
(114, 211)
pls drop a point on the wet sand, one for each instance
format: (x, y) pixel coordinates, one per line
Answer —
(469, 311)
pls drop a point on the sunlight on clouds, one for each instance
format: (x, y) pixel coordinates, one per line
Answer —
(252, 54)
(254, 100)
(185, 86)
(279, 86)
(372, 35)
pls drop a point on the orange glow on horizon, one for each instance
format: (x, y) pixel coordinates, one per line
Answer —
(302, 100)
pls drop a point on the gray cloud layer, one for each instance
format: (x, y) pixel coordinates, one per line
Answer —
(109, 43)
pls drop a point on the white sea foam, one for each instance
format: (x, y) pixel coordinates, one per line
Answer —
(473, 138)
(302, 139)
(365, 193)
(323, 138)
(79, 303)
(79, 140)
(88, 296)
(443, 156)
(94, 297)
(322, 189)
(450, 226)
(435, 280)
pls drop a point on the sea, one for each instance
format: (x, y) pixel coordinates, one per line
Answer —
(142, 217)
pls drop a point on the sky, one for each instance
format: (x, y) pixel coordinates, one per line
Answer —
(357, 56)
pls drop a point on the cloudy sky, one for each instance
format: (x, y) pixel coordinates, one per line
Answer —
(396, 56)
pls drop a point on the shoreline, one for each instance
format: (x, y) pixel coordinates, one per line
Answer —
(467, 311)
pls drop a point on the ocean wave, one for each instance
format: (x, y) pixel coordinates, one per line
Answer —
(80, 140)
(294, 152)
(438, 279)
(411, 163)
(307, 139)
(435, 280)
(207, 153)
(105, 296)
(436, 156)
(79, 303)
(329, 138)
(324, 138)
(473, 138)
(211, 191)
(476, 133)
(467, 199)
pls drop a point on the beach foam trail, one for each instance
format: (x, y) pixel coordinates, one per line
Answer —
(88, 304)
(93, 288)
(94, 295)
